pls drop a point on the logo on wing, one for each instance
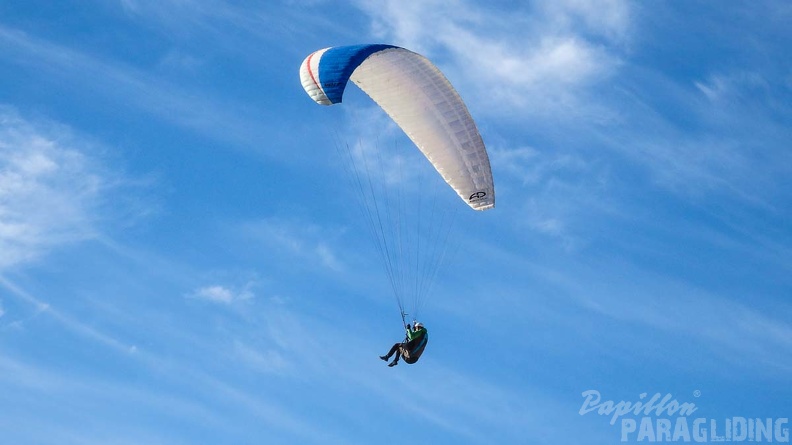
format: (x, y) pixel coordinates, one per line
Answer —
(478, 196)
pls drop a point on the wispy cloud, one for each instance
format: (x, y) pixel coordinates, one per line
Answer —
(512, 56)
(268, 360)
(222, 294)
(707, 138)
(609, 19)
(145, 90)
(59, 187)
(71, 323)
(211, 18)
(50, 189)
(300, 240)
(733, 330)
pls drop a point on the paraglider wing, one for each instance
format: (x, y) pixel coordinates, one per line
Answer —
(422, 102)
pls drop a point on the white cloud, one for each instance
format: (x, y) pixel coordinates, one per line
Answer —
(606, 18)
(222, 294)
(50, 189)
(511, 54)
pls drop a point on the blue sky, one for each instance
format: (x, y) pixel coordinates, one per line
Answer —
(179, 262)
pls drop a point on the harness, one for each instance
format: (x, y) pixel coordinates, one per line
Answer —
(412, 353)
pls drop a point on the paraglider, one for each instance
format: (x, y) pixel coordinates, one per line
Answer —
(421, 101)
(411, 348)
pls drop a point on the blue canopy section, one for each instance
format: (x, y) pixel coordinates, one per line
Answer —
(338, 63)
